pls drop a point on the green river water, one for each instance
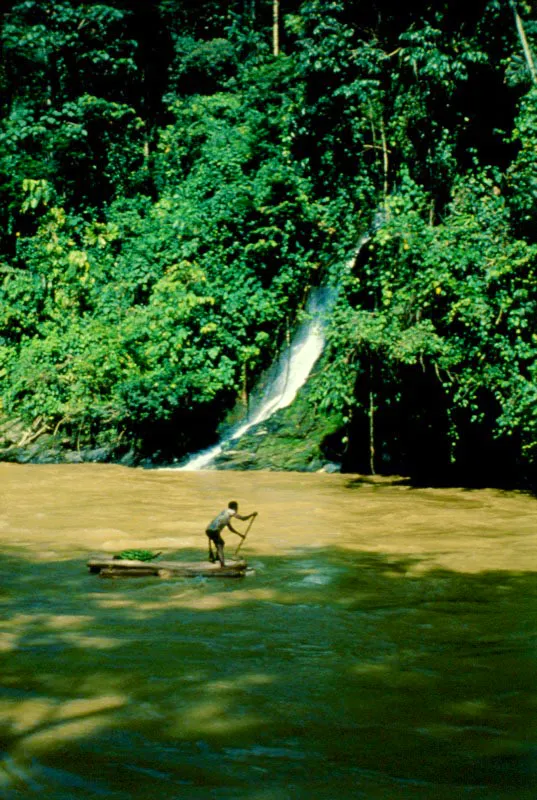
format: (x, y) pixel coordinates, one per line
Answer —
(385, 646)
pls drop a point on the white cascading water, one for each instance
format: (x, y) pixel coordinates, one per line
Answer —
(286, 378)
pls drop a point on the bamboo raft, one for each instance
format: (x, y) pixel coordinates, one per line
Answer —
(108, 567)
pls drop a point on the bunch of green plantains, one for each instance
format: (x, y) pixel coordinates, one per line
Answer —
(137, 555)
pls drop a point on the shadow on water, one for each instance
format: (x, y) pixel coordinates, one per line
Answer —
(327, 673)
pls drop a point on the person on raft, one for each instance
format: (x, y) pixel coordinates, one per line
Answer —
(215, 528)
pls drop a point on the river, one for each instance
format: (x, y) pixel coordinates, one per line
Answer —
(385, 646)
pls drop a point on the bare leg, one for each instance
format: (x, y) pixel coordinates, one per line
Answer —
(220, 551)
(212, 557)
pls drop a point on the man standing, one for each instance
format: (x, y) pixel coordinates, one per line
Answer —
(215, 528)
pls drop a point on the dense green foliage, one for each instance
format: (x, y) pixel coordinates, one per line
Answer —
(170, 188)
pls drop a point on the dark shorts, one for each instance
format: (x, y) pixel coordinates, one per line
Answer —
(214, 536)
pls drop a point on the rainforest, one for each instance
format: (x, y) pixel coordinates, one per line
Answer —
(175, 178)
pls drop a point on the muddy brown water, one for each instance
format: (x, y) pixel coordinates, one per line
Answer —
(384, 648)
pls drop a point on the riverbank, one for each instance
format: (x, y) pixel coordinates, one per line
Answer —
(297, 438)
(39, 444)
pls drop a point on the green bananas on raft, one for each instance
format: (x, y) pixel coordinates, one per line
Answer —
(138, 555)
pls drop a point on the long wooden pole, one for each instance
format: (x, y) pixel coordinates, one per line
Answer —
(245, 535)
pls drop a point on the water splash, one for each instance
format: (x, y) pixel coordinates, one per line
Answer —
(285, 379)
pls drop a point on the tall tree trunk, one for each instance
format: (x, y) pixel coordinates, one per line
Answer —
(276, 27)
(524, 42)
(385, 160)
(245, 398)
(371, 422)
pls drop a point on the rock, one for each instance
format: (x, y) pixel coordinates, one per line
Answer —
(72, 457)
(129, 459)
(98, 455)
(330, 467)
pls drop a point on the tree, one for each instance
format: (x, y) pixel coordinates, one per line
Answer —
(276, 27)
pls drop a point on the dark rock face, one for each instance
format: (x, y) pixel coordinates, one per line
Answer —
(291, 440)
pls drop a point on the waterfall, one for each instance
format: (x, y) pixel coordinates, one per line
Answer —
(293, 368)
(286, 377)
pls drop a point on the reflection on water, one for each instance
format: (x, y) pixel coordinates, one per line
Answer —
(384, 648)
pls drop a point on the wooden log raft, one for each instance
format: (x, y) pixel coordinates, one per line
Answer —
(108, 567)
